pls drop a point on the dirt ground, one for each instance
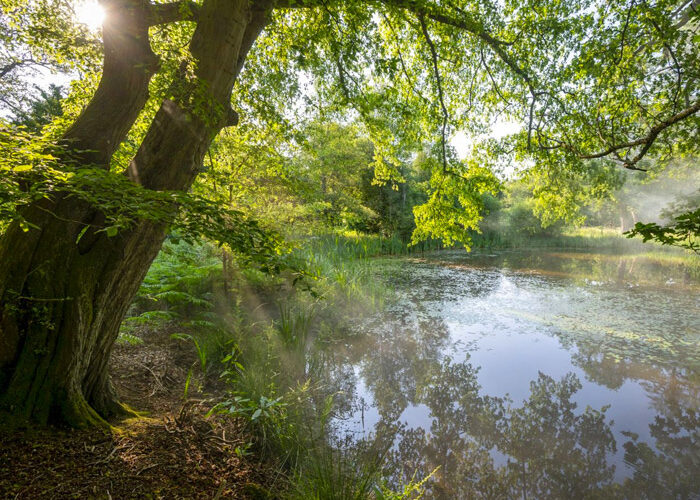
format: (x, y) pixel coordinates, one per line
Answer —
(173, 451)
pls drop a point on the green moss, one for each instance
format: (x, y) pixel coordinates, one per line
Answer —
(76, 413)
(254, 491)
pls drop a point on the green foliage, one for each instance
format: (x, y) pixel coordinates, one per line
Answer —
(572, 75)
(456, 203)
(129, 339)
(560, 193)
(570, 72)
(318, 180)
(178, 287)
(413, 490)
(30, 161)
(38, 37)
(180, 280)
(42, 110)
(510, 219)
(262, 413)
(683, 232)
(21, 155)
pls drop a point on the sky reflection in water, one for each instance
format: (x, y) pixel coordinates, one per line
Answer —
(531, 375)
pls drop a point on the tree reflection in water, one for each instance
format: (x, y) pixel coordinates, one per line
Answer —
(553, 451)
(487, 447)
(673, 471)
(545, 446)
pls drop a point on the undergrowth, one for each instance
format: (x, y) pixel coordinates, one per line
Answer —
(255, 337)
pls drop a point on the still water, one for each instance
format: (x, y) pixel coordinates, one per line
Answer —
(530, 375)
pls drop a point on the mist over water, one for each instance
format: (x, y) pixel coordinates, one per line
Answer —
(659, 199)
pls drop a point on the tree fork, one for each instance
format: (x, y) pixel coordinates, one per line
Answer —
(36, 330)
(61, 302)
(129, 63)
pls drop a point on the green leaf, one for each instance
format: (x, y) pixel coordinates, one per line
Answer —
(77, 240)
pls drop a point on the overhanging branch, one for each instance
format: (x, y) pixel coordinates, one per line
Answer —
(648, 140)
(438, 83)
(468, 23)
(465, 22)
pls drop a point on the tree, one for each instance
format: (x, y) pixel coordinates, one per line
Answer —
(38, 37)
(42, 110)
(591, 80)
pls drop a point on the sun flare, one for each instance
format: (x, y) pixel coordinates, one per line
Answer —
(90, 13)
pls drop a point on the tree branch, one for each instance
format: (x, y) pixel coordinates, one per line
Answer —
(164, 13)
(467, 23)
(438, 82)
(471, 25)
(4, 70)
(648, 140)
(624, 32)
(404, 68)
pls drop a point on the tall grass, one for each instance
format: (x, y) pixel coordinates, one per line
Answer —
(584, 238)
(265, 355)
(345, 270)
(294, 325)
(344, 245)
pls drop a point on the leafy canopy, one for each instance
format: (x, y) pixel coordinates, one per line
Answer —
(597, 86)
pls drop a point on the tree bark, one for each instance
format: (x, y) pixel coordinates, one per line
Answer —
(62, 301)
(129, 63)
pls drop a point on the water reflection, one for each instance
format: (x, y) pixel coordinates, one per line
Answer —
(530, 376)
(553, 451)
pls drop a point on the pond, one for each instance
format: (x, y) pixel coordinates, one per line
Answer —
(530, 375)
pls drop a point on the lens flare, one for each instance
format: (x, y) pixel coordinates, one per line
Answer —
(90, 14)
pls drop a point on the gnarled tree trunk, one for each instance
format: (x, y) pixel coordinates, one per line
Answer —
(62, 300)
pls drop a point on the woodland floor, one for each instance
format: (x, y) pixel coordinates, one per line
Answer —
(174, 451)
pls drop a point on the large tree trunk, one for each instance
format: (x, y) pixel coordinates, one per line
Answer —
(62, 300)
